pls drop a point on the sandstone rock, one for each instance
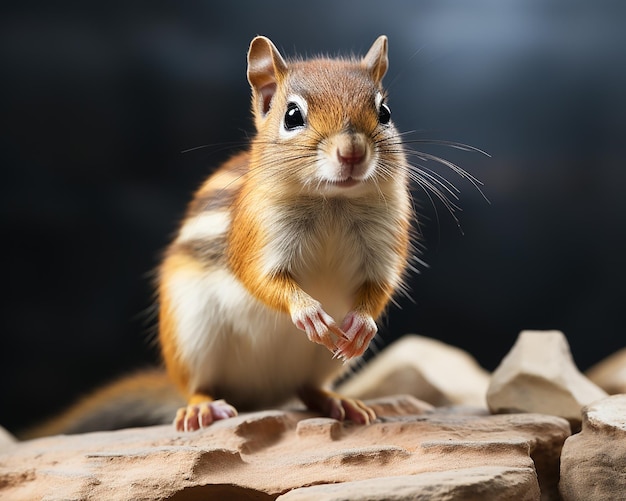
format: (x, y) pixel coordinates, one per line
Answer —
(263, 455)
(425, 368)
(593, 462)
(539, 375)
(6, 438)
(400, 405)
(610, 373)
(468, 484)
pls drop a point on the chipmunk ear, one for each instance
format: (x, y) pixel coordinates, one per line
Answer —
(376, 60)
(266, 68)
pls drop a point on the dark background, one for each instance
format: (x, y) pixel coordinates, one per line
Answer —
(100, 99)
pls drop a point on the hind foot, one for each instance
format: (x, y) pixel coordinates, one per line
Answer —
(201, 414)
(336, 406)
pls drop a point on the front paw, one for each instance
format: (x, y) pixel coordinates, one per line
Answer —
(359, 329)
(318, 325)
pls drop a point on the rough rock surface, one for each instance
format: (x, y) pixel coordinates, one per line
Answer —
(425, 368)
(411, 454)
(467, 484)
(593, 462)
(610, 373)
(539, 375)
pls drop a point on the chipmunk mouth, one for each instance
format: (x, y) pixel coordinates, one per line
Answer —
(346, 183)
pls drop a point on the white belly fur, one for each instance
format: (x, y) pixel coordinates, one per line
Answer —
(238, 349)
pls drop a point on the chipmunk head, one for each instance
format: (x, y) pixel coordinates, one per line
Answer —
(323, 123)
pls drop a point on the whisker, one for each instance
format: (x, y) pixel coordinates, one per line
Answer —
(451, 144)
(437, 179)
(399, 143)
(222, 146)
(428, 187)
(455, 168)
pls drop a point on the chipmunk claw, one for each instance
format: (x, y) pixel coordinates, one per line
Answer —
(359, 329)
(318, 325)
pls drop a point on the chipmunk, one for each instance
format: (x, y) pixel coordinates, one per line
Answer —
(291, 250)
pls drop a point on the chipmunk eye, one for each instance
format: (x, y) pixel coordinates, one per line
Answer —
(384, 114)
(293, 117)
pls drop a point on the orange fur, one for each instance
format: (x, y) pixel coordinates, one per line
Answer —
(176, 370)
(268, 191)
(373, 298)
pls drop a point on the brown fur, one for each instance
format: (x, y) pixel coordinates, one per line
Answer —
(270, 194)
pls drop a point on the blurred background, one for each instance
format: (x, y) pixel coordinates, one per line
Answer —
(100, 100)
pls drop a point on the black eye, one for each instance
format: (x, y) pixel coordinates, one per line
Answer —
(293, 117)
(384, 114)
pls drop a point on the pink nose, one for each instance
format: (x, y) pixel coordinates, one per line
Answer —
(351, 157)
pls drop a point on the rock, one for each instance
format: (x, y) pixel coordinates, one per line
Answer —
(610, 373)
(400, 405)
(6, 438)
(539, 375)
(593, 462)
(468, 484)
(267, 454)
(425, 368)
